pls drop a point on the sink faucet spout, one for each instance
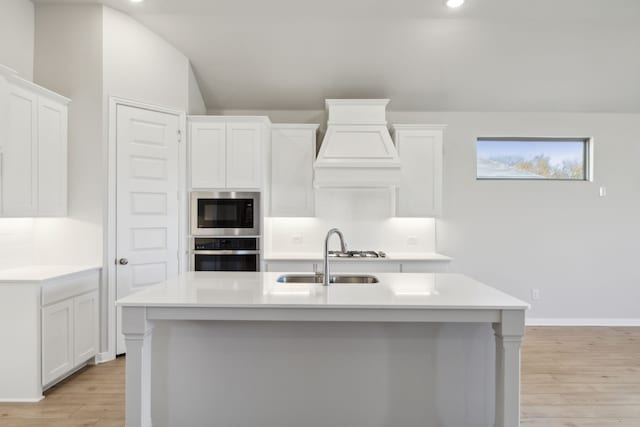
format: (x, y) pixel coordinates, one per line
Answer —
(343, 248)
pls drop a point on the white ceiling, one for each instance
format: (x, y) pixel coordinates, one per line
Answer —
(489, 55)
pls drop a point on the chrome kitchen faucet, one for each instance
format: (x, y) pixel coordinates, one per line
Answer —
(343, 248)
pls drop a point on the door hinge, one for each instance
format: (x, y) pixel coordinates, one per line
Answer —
(179, 135)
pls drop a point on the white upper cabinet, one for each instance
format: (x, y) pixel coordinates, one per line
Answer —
(293, 151)
(19, 154)
(244, 155)
(226, 152)
(208, 155)
(420, 148)
(33, 149)
(52, 158)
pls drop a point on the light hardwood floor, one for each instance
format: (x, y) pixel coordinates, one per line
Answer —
(571, 377)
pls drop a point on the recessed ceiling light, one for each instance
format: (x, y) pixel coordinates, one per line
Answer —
(454, 3)
(136, 1)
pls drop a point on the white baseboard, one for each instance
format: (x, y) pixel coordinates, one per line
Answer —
(104, 357)
(37, 399)
(582, 322)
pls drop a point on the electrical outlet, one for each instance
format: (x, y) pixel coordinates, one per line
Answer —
(603, 191)
(535, 294)
(412, 240)
(297, 239)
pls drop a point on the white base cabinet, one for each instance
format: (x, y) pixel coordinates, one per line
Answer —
(85, 327)
(49, 328)
(368, 266)
(57, 340)
(227, 152)
(69, 335)
(33, 149)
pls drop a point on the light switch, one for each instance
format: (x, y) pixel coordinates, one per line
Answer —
(603, 191)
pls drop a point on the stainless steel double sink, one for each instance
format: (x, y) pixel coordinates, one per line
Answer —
(337, 278)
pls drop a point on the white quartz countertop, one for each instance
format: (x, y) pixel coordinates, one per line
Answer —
(39, 273)
(391, 257)
(260, 290)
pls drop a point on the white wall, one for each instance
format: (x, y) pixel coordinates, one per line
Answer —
(140, 65)
(580, 250)
(16, 36)
(577, 248)
(196, 103)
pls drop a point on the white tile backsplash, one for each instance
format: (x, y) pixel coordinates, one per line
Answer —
(16, 242)
(364, 217)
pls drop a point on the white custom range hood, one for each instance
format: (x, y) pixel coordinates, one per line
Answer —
(357, 150)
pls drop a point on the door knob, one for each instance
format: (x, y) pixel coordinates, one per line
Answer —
(123, 261)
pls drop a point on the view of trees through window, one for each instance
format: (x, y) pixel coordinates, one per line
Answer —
(532, 158)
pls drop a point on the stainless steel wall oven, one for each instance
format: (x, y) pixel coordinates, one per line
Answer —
(225, 254)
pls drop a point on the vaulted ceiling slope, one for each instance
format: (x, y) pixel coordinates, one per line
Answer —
(489, 55)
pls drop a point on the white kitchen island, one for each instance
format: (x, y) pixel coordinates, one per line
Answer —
(240, 349)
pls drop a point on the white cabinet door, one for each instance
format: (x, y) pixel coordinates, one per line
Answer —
(19, 158)
(52, 158)
(85, 329)
(208, 155)
(293, 151)
(57, 340)
(420, 150)
(244, 155)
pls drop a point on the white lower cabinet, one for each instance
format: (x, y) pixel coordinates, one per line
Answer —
(85, 327)
(49, 327)
(57, 340)
(69, 335)
(296, 266)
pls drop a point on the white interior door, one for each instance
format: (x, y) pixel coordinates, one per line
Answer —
(147, 201)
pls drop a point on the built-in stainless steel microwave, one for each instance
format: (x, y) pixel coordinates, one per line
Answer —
(225, 213)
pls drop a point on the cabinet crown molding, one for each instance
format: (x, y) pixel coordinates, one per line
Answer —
(302, 126)
(230, 119)
(395, 127)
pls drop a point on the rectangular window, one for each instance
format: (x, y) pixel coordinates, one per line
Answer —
(564, 159)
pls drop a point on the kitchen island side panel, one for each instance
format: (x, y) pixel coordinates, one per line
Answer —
(318, 374)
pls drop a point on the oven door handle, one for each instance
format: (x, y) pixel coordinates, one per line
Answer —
(225, 252)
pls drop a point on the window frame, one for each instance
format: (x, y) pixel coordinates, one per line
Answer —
(587, 156)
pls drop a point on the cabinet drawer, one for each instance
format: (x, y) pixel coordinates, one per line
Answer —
(68, 287)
